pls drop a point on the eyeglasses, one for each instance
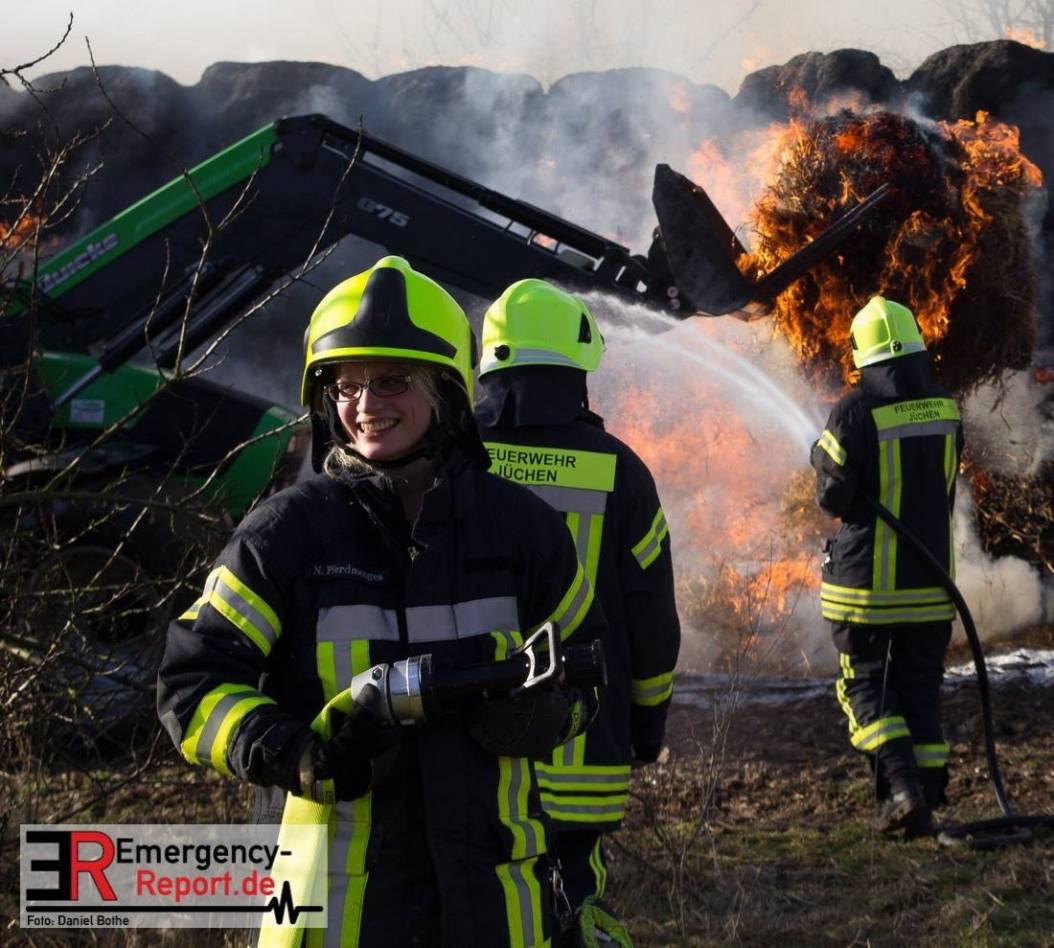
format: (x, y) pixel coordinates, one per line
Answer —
(384, 386)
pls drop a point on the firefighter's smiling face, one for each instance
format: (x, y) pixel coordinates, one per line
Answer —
(384, 411)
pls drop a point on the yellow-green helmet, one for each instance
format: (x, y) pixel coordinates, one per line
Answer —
(534, 323)
(388, 312)
(883, 330)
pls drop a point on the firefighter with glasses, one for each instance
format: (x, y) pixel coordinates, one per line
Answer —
(401, 545)
(538, 345)
(896, 438)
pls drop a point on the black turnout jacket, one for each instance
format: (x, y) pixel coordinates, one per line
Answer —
(326, 579)
(897, 437)
(540, 433)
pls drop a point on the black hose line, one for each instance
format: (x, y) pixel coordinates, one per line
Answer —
(1010, 828)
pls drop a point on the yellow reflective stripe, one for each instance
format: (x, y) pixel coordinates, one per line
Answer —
(841, 691)
(571, 610)
(592, 557)
(932, 755)
(879, 732)
(884, 560)
(240, 606)
(584, 809)
(303, 864)
(895, 507)
(574, 521)
(572, 753)
(829, 443)
(505, 643)
(649, 692)
(873, 616)
(647, 549)
(855, 596)
(237, 603)
(217, 715)
(919, 411)
(210, 583)
(949, 462)
(360, 657)
(547, 465)
(600, 871)
(325, 663)
(523, 902)
(598, 779)
(268, 614)
(514, 787)
(347, 892)
(880, 553)
(338, 662)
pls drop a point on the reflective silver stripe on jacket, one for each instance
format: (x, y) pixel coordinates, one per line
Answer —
(918, 430)
(438, 623)
(348, 623)
(571, 499)
(462, 620)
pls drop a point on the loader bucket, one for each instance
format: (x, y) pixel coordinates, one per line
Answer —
(701, 249)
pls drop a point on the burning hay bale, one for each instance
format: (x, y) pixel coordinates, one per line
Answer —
(950, 243)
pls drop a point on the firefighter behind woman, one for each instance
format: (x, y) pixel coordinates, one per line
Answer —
(401, 545)
(896, 439)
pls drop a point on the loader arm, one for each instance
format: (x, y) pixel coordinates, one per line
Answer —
(299, 185)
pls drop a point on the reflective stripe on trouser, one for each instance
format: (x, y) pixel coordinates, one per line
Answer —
(583, 868)
(932, 755)
(522, 884)
(878, 732)
(519, 877)
(894, 710)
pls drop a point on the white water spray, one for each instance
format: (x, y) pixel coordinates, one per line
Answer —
(734, 409)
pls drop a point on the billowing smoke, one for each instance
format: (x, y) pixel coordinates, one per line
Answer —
(1004, 593)
(718, 408)
(1006, 425)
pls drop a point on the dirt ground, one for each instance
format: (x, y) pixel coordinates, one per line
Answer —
(755, 831)
(769, 842)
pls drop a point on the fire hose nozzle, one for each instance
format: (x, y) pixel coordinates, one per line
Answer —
(416, 689)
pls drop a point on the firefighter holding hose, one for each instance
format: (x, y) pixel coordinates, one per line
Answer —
(402, 545)
(539, 344)
(896, 439)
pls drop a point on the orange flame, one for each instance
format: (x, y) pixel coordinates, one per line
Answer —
(739, 544)
(679, 99)
(25, 229)
(928, 259)
(1026, 35)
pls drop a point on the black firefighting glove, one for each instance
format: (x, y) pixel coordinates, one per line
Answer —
(356, 759)
(530, 725)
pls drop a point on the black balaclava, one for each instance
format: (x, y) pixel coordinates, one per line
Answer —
(533, 395)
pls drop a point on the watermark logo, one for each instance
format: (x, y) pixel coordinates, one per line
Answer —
(164, 876)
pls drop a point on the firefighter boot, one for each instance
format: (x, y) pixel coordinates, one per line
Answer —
(934, 782)
(906, 810)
